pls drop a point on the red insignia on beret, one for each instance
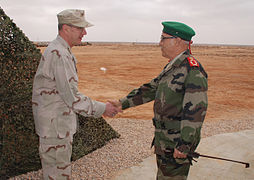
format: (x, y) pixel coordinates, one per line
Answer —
(192, 61)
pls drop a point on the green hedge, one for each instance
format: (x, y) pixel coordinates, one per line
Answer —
(19, 59)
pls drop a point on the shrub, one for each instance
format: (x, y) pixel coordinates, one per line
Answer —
(19, 59)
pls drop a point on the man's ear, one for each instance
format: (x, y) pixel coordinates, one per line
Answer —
(65, 28)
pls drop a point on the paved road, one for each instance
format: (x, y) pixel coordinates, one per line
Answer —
(238, 146)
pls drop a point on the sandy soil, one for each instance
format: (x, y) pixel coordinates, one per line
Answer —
(230, 71)
(231, 99)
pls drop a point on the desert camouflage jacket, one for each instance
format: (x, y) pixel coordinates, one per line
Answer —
(56, 98)
(180, 103)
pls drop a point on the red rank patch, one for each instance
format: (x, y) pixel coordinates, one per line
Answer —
(192, 61)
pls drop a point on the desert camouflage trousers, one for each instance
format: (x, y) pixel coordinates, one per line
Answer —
(55, 157)
(168, 169)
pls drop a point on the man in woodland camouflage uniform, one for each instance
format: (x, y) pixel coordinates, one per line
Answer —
(180, 102)
(56, 98)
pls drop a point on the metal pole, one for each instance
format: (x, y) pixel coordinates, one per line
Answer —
(196, 155)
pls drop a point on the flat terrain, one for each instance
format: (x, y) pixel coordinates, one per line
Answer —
(230, 76)
(230, 109)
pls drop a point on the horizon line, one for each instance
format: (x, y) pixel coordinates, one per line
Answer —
(151, 43)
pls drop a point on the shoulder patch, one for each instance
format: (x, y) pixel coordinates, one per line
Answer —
(193, 61)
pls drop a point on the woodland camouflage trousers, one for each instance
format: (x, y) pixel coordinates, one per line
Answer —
(168, 169)
(55, 157)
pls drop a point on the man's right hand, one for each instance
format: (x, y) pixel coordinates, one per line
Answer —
(111, 110)
(116, 103)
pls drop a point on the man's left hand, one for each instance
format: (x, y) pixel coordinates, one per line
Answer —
(179, 154)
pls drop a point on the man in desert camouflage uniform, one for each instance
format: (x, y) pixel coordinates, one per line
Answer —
(180, 102)
(56, 98)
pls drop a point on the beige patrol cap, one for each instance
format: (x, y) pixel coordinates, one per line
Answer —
(75, 17)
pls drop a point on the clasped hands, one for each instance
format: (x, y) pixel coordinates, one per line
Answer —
(113, 107)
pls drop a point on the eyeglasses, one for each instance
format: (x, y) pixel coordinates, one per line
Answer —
(164, 37)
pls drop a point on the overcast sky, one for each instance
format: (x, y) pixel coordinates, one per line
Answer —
(215, 21)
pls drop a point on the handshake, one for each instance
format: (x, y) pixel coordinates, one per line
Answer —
(113, 107)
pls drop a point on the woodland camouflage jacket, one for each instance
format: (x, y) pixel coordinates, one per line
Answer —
(56, 98)
(180, 103)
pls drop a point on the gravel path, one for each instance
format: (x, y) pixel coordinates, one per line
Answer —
(132, 147)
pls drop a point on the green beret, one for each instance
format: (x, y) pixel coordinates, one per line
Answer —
(178, 29)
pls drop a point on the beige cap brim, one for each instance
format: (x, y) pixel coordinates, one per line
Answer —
(84, 24)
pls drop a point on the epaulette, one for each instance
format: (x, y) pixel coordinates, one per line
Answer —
(193, 62)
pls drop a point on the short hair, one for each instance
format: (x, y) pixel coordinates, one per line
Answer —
(60, 27)
(186, 42)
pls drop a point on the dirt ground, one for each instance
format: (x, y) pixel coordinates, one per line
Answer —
(230, 76)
